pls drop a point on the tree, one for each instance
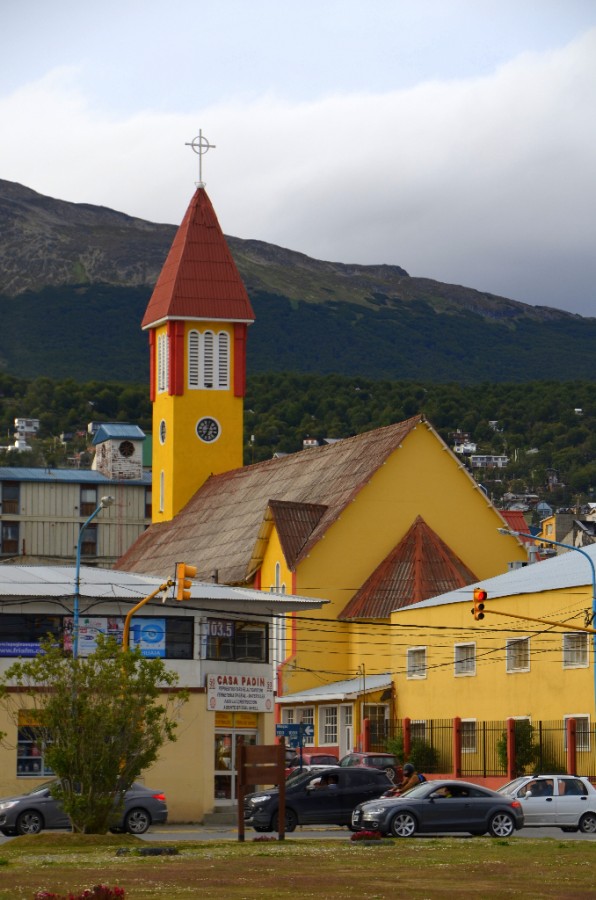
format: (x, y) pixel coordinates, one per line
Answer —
(102, 718)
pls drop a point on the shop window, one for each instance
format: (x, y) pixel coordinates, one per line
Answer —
(31, 750)
(230, 639)
(20, 635)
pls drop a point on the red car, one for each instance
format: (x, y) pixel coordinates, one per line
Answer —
(387, 762)
(311, 759)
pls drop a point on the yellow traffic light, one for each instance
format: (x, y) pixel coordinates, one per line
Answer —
(479, 598)
(184, 576)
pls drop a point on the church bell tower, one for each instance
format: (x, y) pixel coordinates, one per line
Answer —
(197, 319)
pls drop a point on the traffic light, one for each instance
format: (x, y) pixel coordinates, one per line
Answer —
(479, 598)
(184, 574)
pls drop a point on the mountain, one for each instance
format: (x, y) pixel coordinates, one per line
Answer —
(75, 280)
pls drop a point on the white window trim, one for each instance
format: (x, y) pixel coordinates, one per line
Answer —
(576, 634)
(322, 716)
(585, 747)
(509, 668)
(473, 749)
(416, 676)
(456, 661)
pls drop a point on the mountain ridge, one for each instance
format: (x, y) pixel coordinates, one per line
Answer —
(94, 269)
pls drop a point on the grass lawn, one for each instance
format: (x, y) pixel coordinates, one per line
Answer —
(416, 868)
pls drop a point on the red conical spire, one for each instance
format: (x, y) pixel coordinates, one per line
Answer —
(199, 279)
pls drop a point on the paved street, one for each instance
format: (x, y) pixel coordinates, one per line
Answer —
(170, 833)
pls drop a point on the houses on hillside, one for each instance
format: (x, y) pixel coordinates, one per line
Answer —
(42, 510)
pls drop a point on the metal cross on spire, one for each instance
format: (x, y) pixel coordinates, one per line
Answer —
(200, 145)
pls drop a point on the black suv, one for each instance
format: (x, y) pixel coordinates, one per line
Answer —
(326, 797)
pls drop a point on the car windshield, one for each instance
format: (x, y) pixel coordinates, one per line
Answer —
(512, 786)
(419, 790)
(46, 786)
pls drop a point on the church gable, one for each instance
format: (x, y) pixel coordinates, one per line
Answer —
(295, 522)
(420, 566)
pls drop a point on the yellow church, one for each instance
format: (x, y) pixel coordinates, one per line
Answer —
(373, 523)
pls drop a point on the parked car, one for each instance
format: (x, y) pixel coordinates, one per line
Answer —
(387, 762)
(438, 806)
(567, 802)
(311, 759)
(328, 798)
(32, 812)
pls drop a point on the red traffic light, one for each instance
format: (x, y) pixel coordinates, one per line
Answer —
(479, 597)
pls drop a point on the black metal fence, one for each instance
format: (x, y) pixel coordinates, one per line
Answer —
(539, 746)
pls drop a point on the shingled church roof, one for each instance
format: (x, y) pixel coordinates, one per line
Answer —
(219, 528)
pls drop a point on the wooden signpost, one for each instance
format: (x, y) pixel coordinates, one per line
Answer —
(265, 764)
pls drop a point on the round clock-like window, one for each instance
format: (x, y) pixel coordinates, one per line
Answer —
(208, 429)
(126, 448)
(162, 431)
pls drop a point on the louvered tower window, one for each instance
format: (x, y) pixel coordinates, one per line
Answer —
(209, 360)
(162, 363)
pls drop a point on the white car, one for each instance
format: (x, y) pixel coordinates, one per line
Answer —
(567, 802)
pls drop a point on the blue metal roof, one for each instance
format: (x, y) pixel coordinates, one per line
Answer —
(66, 476)
(119, 431)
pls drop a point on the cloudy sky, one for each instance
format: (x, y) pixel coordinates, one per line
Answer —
(456, 138)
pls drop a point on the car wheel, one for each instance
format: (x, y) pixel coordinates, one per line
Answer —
(390, 773)
(29, 822)
(587, 823)
(403, 825)
(501, 825)
(137, 821)
(291, 821)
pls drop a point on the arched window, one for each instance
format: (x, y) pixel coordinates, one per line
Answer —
(194, 343)
(209, 360)
(162, 363)
(223, 360)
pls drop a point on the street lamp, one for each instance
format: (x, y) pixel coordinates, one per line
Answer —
(103, 503)
(534, 537)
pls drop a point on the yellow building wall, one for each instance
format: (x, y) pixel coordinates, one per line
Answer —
(186, 461)
(423, 478)
(546, 692)
(184, 771)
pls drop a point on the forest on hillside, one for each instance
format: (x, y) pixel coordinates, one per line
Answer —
(545, 428)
